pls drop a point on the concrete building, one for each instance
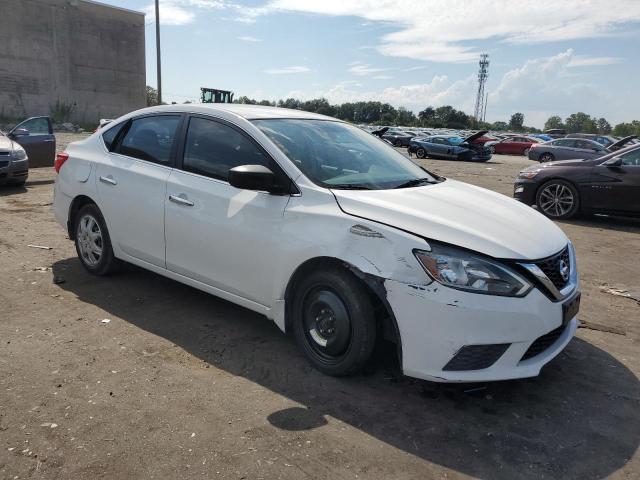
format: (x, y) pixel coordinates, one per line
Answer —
(77, 55)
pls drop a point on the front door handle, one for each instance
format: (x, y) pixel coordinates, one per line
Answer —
(181, 200)
(108, 180)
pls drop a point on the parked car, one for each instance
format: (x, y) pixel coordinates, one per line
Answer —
(450, 147)
(14, 164)
(398, 138)
(556, 132)
(604, 140)
(609, 184)
(35, 135)
(571, 148)
(518, 145)
(328, 232)
(541, 136)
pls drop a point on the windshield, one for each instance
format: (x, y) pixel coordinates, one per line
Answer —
(339, 155)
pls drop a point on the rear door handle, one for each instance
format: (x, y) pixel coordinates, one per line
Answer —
(181, 200)
(108, 180)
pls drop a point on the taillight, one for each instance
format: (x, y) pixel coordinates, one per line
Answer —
(60, 159)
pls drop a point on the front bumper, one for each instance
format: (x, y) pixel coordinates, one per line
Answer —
(436, 323)
(13, 171)
(525, 191)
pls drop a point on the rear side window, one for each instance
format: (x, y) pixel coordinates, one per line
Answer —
(213, 148)
(150, 138)
(110, 135)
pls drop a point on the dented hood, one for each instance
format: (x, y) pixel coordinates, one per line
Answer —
(460, 214)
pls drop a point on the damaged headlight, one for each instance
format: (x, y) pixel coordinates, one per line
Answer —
(467, 271)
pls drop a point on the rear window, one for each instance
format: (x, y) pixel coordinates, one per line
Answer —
(110, 135)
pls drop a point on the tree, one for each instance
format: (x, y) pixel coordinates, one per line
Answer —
(152, 96)
(405, 117)
(499, 126)
(553, 122)
(517, 121)
(427, 116)
(604, 127)
(581, 122)
(626, 129)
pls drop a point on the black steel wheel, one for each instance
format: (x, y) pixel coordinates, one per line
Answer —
(334, 321)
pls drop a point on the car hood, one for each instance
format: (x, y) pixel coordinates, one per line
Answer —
(460, 214)
(561, 163)
(474, 136)
(6, 144)
(621, 143)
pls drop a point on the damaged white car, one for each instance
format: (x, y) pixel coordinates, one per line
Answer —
(327, 231)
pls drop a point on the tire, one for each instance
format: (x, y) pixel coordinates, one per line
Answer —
(546, 157)
(334, 321)
(493, 149)
(397, 143)
(526, 152)
(558, 199)
(93, 244)
(421, 153)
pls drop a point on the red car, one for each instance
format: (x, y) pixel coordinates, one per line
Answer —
(516, 145)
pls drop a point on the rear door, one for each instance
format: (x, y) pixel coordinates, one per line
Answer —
(217, 234)
(131, 182)
(36, 137)
(617, 188)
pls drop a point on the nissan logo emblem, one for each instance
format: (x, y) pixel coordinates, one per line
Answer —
(563, 268)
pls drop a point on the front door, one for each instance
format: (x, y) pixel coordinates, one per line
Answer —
(617, 188)
(217, 234)
(36, 137)
(132, 181)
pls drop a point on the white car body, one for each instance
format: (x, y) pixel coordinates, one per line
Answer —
(245, 246)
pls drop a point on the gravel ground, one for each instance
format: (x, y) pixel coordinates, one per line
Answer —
(180, 384)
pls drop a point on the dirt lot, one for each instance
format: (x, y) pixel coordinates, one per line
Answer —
(180, 384)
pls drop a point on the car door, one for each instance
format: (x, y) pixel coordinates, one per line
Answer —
(617, 188)
(36, 137)
(217, 234)
(131, 181)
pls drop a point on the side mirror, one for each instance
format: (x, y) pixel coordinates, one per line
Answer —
(613, 162)
(19, 132)
(252, 177)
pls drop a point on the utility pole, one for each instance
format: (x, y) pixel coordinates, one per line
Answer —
(158, 61)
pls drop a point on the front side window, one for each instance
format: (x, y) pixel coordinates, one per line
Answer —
(631, 158)
(151, 138)
(213, 148)
(36, 126)
(338, 155)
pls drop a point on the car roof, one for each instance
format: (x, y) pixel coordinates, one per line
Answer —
(249, 112)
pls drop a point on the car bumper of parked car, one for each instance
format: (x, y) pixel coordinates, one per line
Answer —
(525, 191)
(13, 171)
(449, 335)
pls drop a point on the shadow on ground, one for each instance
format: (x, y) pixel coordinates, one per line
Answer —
(579, 419)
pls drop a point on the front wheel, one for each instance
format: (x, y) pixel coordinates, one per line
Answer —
(492, 149)
(421, 153)
(93, 243)
(558, 199)
(546, 157)
(334, 321)
(526, 152)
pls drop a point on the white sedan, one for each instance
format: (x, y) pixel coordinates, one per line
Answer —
(327, 231)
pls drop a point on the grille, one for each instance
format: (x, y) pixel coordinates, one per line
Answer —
(476, 357)
(543, 342)
(4, 163)
(551, 268)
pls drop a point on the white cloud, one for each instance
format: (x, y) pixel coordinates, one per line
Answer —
(438, 29)
(382, 77)
(587, 61)
(170, 14)
(363, 69)
(250, 39)
(285, 70)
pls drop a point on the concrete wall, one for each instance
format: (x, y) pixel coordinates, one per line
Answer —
(73, 52)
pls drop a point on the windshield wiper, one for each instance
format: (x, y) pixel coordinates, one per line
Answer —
(415, 182)
(347, 186)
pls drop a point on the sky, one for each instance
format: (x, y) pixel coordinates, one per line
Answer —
(547, 57)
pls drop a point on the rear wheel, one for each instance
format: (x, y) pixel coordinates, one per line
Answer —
(526, 152)
(93, 243)
(421, 153)
(334, 321)
(546, 157)
(558, 199)
(492, 149)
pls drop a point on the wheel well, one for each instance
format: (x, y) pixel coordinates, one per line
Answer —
(77, 203)
(385, 319)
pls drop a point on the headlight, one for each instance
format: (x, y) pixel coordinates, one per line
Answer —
(18, 154)
(464, 270)
(528, 173)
